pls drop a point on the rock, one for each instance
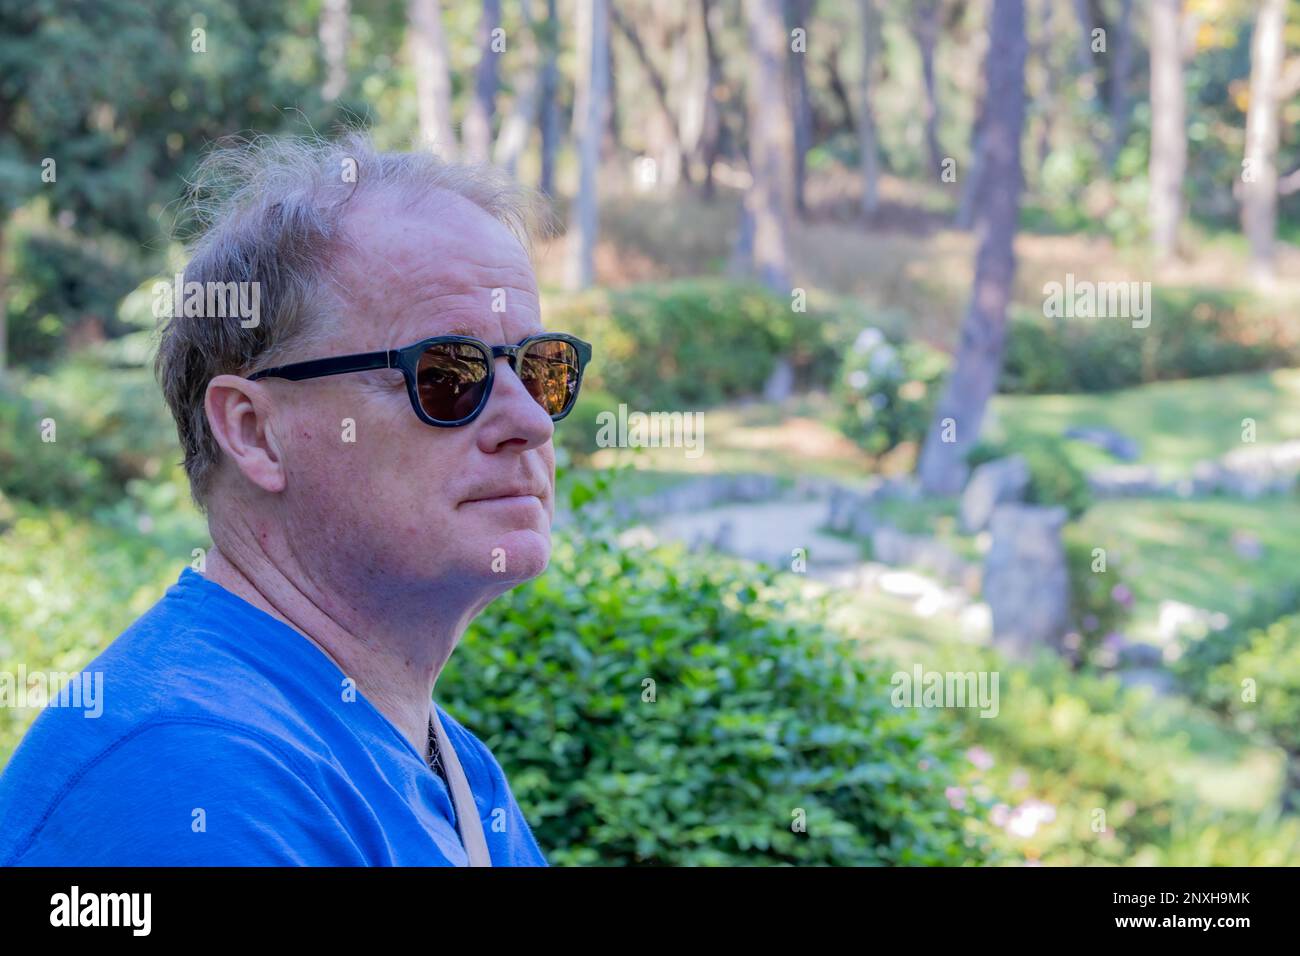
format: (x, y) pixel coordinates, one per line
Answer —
(1110, 441)
(780, 384)
(1026, 580)
(1158, 679)
(993, 483)
(1123, 481)
(1140, 655)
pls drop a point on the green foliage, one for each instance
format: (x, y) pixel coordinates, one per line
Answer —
(1100, 601)
(1271, 659)
(1066, 745)
(1205, 665)
(577, 432)
(694, 343)
(1192, 333)
(887, 392)
(63, 289)
(108, 426)
(1053, 477)
(757, 712)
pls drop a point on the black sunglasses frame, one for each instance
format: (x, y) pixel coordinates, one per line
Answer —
(407, 360)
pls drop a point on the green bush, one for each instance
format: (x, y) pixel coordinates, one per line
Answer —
(1087, 772)
(1207, 655)
(1053, 477)
(886, 392)
(757, 713)
(109, 426)
(577, 432)
(1100, 601)
(62, 289)
(1192, 333)
(695, 343)
(1270, 659)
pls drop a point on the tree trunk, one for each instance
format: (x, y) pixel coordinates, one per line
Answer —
(482, 106)
(593, 85)
(870, 157)
(1168, 126)
(925, 28)
(1119, 108)
(771, 142)
(514, 131)
(800, 103)
(666, 137)
(1259, 199)
(550, 108)
(432, 79)
(960, 411)
(711, 124)
(333, 31)
(4, 301)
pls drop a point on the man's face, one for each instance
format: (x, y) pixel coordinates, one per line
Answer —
(408, 504)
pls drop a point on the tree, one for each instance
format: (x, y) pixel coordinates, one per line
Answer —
(771, 144)
(1168, 163)
(711, 120)
(589, 111)
(432, 79)
(333, 31)
(797, 14)
(867, 146)
(960, 410)
(549, 113)
(482, 105)
(925, 28)
(1259, 174)
(514, 130)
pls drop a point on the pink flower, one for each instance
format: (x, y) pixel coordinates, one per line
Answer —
(1122, 595)
(956, 796)
(980, 757)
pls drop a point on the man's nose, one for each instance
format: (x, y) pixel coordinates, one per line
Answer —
(513, 415)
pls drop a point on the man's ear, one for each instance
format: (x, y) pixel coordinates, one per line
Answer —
(239, 415)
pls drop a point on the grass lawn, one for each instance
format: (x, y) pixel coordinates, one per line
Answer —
(1189, 551)
(1175, 424)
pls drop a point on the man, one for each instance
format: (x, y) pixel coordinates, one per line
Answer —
(368, 493)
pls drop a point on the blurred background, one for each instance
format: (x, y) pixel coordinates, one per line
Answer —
(988, 310)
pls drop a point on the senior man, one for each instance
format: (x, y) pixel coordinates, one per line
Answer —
(373, 453)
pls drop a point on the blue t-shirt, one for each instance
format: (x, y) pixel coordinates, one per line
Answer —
(226, 738)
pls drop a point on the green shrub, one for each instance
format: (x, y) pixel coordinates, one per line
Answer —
(1086, 772)
(1192, 333)
(886, 392)
(109, 426)
(1053, 477)
(757, 713)
(577, 432)
(62, 288)
(1270, 659)
(1100, 601)
(1207, 655)
(695, 343)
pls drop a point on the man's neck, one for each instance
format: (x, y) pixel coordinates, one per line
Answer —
(394, 665)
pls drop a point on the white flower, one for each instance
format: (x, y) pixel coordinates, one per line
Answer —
(859, 379)
(867, 340)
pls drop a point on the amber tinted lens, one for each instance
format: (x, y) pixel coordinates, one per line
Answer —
(549, 370)
(450, 379)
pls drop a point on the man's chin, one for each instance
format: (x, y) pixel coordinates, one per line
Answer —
(519, 555)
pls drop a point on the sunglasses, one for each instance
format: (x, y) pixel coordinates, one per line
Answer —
(449, 377)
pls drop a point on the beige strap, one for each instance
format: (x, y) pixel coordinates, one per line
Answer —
(467, 818)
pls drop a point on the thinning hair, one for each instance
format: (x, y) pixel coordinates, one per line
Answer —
(270, 210)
